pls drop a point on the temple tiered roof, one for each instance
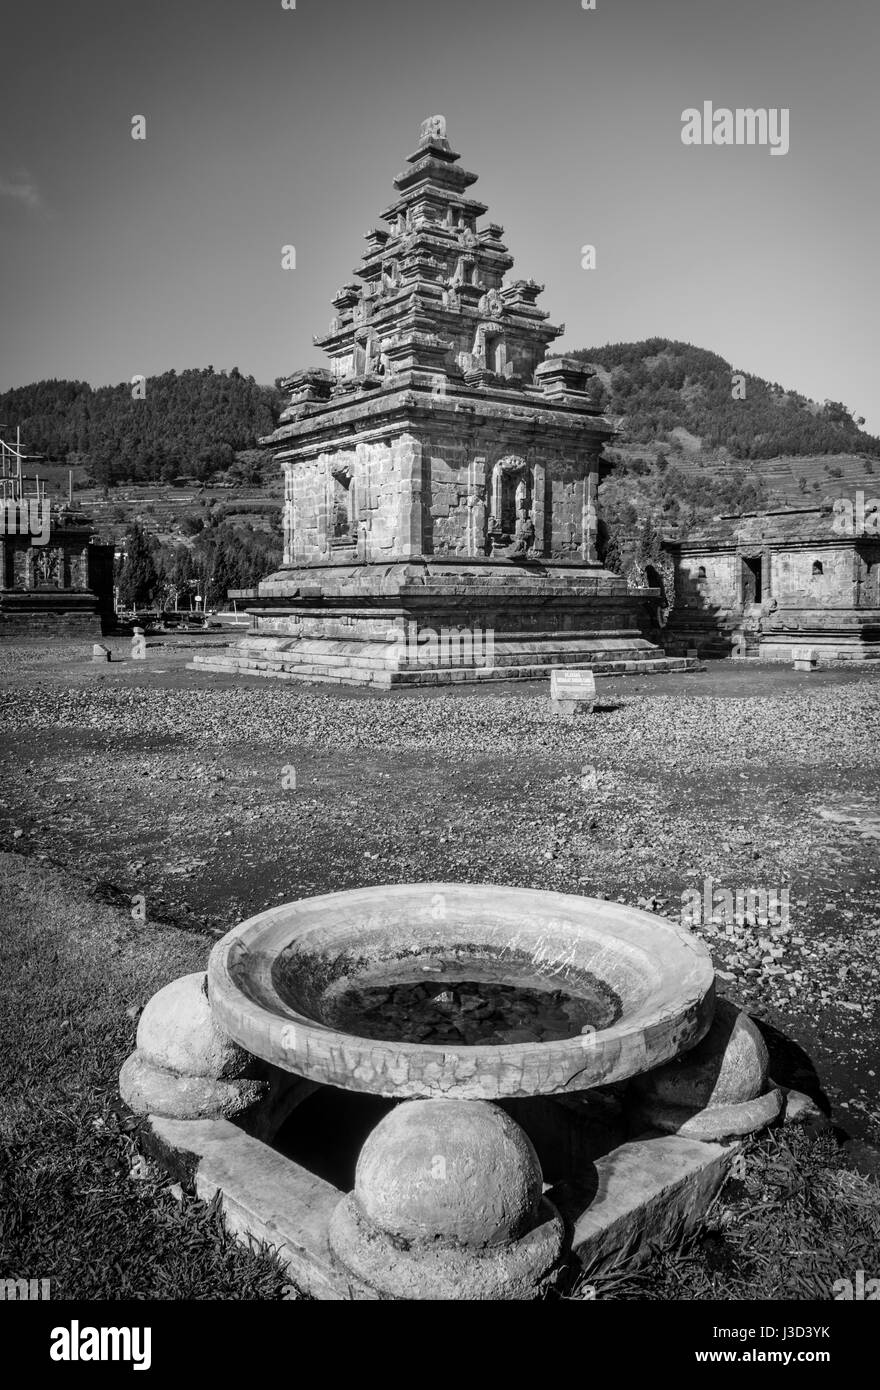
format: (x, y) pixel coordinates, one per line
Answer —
(430, 296)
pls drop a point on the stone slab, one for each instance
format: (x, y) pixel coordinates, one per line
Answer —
(648, 1189)
(353, 648)
(339, 673)
(804, 658)
(645, 1190)
(265, 1198)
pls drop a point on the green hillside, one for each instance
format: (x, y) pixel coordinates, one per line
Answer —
(662, 387)
(698, 437)
(193, 423)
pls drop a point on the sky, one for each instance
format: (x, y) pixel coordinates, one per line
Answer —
(268, 127)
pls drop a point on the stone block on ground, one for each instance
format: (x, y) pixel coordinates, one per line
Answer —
(804, 658)
(572, 691)
(649, 1190)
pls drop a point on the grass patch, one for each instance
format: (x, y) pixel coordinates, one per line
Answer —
(77, 1204)
(798, 1220)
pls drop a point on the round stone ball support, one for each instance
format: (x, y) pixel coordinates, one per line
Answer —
(448, 1204)
(714, 1091)
(185, 1067)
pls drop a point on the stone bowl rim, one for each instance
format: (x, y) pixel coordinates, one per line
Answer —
(357, 1063)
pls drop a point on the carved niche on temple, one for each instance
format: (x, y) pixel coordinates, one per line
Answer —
(288, 516)
(343, 515)
(492, 305)
(47, 568)
(489, 350)
(511, 527)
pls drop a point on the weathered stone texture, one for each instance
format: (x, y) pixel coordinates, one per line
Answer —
(440, 436)
(763, 583)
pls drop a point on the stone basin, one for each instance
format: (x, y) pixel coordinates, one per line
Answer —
(638, 988)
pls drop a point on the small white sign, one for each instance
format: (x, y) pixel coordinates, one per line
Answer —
(566, 684)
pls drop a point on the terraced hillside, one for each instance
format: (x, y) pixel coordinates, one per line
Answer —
(698, 437)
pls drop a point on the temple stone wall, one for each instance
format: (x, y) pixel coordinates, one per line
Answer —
(816, 588)
(401, 496)
(792, 580)
(566, 508)
(50, 624)
(717, 589)
(448, 510)
(64, 587)
(429, 495)
(794, 583)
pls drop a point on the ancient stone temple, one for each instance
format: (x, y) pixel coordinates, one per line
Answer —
(767, 583)
(54, 576)
(441, 475)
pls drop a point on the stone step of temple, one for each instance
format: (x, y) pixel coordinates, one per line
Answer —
(354, 672)
(509, 650)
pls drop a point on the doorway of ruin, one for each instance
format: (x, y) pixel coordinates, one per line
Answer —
(752, 588)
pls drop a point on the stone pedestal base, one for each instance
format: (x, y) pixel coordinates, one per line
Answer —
(717, 1090)
(436, 622)
(634, 1198)
(151, 1090)
(185, 1067)
(376, 662)
(518, 1269)
(447, 1205)
(833, 634)
(49, 613)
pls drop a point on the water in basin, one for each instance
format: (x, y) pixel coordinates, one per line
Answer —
(473, 1005)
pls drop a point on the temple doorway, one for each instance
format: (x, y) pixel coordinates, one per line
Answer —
(752, 585)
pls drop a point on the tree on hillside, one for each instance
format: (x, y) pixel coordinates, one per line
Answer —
(610, 552)
(648, 546)
(247, 469)
(138, 578)
(212, 459)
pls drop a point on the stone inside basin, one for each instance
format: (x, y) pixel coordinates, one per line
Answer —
(465, 990)
(461, 993)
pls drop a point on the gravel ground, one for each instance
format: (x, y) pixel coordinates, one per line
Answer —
(206, 799)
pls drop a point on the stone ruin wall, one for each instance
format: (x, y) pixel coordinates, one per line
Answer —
(26, 566)
(794, 585)
(849, 578)
(50, 624)
(719, 588)
(381, 478)
(376, 476)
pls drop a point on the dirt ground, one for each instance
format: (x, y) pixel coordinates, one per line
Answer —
(202, 799)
